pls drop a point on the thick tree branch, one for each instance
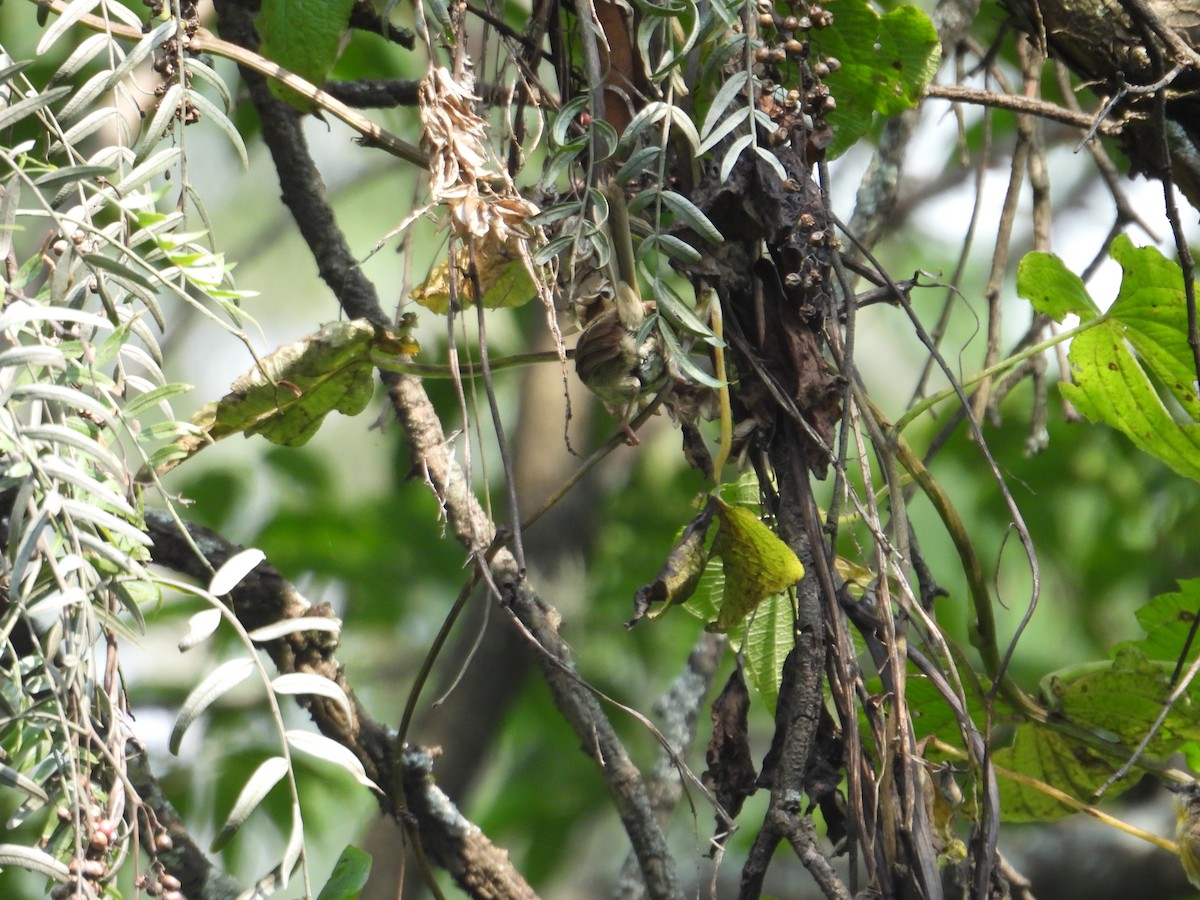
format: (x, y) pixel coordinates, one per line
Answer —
(199, 879)
(304, 195)
(264, 596)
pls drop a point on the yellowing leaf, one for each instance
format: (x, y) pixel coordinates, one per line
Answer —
(681, 572)
(287, 396)
(756, 563)
(503, 279)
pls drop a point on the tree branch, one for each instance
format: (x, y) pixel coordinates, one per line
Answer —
(304, 195)
(263, 597)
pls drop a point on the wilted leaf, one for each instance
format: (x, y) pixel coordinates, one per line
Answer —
(756, 563)
(287, 397)
(681, 572)
(731, 774)
(503, 279)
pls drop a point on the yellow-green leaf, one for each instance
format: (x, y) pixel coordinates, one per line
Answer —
(756, 563)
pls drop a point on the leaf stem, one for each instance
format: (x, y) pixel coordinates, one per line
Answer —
(1003, 365)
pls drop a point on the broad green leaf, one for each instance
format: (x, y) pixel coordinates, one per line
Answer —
(1152, 305)
(1117, 701)
(1167, 620)
(349, 875)
(1048, 757)
(1122, 697)
(1111, 387)
(886, 63)
(303, 36)
(1052, 288)
(770, 637)
(286, 398)
(755, 561)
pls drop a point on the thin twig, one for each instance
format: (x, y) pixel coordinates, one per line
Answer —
(1016, 103)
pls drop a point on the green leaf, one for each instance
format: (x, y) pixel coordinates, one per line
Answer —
(1052, 288)
(1117, 701)
(1112, 388)
(1167, 620)
(886, 63)
(349, 875)
(1048, 757)
(755, 561)
(1152, 305)
(286, 398)
(303, 36)
(1122, 697)
(1112, 385)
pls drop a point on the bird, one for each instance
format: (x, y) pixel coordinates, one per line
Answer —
(1187, 830)
(619, 356)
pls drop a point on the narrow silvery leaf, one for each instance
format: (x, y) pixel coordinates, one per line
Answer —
(732, 154)
(30, 105)
(222, 679)
(218, 118)
(200, 627)
(33, 859)
(294, 848)
(236, 568)
(723, 98)
(80, 510)
(308, 683)
(291, 626)
(331, 751)
(265, 777)
(15, 779)
(61, 434)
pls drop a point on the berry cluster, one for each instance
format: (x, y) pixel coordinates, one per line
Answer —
(786, 39)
